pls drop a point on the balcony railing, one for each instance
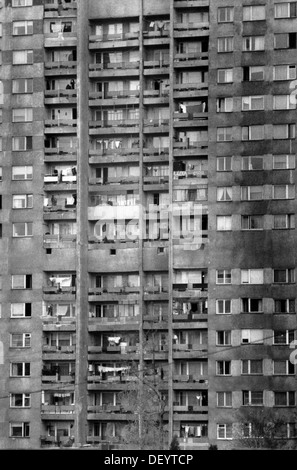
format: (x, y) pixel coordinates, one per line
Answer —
(112, 320)
(114, 123)
(114, 94)
(61, 64)
(114, 65)
(93, 38)
(191, 26)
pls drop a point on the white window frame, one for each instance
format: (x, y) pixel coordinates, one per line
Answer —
(290, 276)
(225, 367)
(247, 336)
(25, 397)
(249, 299)
(22, 3)
(28, 57)
(289, 128)
(288, 365)
(226, 166)
(28, 229)
(27, 173)
(288, 12)
(222, 311)
(249, 43)
(224, 223)
(250, 397)
(247, 132)
(225, 44)
(247, 162)
(287, 306)
(248, 193)
(225, 134)
(225, 429)
(224, 193)
(289, 162)
(25, 430)
(227, 13)
(22, 28)
(226, 338)
(23, 374)
(27, 199)
(248, 274)
(225, 399)
(251, 13)
(285, 102)
(249, 219)
(289, 334)
(290, 72)
(289, 191)
(28, 85)
(17, 142)
(289, 220)
(224, 272)
(22, 313)
(26, 340)
(251, 103)
(225, 105)
(287, 397)
(225, 75)
(22, 115)
(249, 367)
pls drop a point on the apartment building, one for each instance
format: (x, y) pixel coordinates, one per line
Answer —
(147, 216)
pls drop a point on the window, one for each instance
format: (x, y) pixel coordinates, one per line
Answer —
(284, 72)
(22, 201)
(226, 44)
(22, 85)
(285, 41)
(223, 367)
(19, 369)
(284, 398)
(21, 340)
(20, 400)
(252, 276)
(21, 281)
(224, 399)
(223, 338)
(224, 105)
(0, 174)
(224, 134)
(251, 366)
(223, 306)
(284, 131)
(22, 115)
(252, 163)
(22, 173)
(251, 193)
(224, 193)
(284, 337)
(225, 75)
(252, 336)
(253, 132)
(253, 73)
(254, 398)
(19, 429)
(225, 14)
(22, 229)
(284, 276)
(252, 103)
(249, 305)
(283, 162)
(22, 3)
(224, 164)
(284, 221)
(283, 102)
(20, 310)
(284, 305)
(285, 10)
(253, 13)
(223, 276)
(283, 368)
(253, 43)
(252, 222)
(283, 191)
(224, 431)
(22, 143)
(20, 28)
(224, 222)
(22, 57)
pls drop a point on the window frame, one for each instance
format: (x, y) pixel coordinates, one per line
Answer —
(225, 428)
(29, 57)
(225, 276)
(225, 399)
(24, 372)
(28, 86)
(249, 44)
(27, 198)
(224, 159)
(25, 429)
(248, 394)
(26, 3)
(24, 397)
(28, 229)
(253, 13)
(228, 12)
(26, 340)
(248, 363)
(27, 26)
(24, 314)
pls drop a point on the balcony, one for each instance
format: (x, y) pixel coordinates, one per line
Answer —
(61, 39)
(50, 377)
(113, 212)
(183, 291)
(123, 155)
(155, 97)
(52, 7)
(59, 241)
(188, 120)
(60, 68)
(156, 67)
(190, 378)
(191, 3)
(60, 126)
(60, 96)
(153, 154)
(189, 59)
(114, 127)
(114, 69)
(115, 293)
(187, 149)
(182, 90)
(111, 98)
(57, 410)
(155, 180)
(183, 30)
(98, 324)
(189, 176)
(153, 321)
(114, 41)
(109, 184)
